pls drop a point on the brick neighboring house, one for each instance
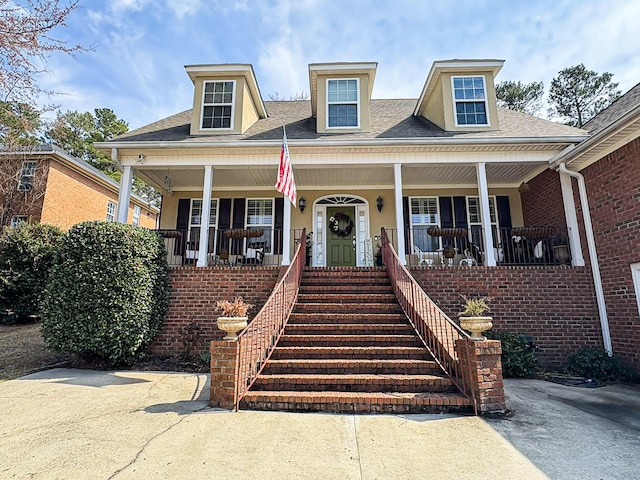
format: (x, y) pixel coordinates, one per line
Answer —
(48, 185)
(425, 169)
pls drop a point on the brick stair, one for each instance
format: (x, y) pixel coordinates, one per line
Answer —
(349, 348)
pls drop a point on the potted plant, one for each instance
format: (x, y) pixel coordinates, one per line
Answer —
(472, 318)
(560, 249)
(234, 316)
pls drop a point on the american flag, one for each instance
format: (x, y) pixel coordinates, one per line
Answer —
(286, 184)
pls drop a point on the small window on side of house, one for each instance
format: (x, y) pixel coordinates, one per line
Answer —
(111, 211)
(136, 214)
(635, 275)
(470, 101)
(217, 105)
(18, 220)
(26, 175)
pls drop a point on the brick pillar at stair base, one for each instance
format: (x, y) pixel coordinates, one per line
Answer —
(481, 365)
(224, 366)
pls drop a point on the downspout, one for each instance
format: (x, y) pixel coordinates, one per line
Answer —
(593, 255)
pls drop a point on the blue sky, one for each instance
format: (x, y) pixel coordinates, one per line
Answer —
(142, 46)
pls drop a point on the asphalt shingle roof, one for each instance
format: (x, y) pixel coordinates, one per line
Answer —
(622, 105)
(391, 119)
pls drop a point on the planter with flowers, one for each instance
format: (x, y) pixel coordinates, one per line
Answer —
(234, 316)
(472, 318)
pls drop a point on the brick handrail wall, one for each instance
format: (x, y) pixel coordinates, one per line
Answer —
(235, 364)
(475, 367)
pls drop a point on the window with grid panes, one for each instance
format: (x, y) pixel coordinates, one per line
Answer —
(195, 219)
(342, 103)
(27, 174)
(424, 215)
(260, 215)
(217, 105)
(136, 214)
(111, 211)
(474, 212)
(470, 100)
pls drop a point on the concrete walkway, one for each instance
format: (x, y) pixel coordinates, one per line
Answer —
(68, 424)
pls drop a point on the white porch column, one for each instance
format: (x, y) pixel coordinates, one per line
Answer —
(124, 196)
(577, 259)
(397, 190)
(204, 219)
(487, 234)
(286, 233)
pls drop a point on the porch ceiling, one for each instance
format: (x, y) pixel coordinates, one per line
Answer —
(336, 176)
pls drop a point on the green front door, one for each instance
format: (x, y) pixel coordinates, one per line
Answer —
(341, 236)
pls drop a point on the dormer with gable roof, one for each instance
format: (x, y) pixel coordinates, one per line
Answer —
(460, 95)
(340, 96)
(226, 99)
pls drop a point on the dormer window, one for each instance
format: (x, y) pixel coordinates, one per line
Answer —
(470, 100)
(343, 103)
(217, 105)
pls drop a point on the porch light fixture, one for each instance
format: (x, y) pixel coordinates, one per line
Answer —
(379, 203)
(302, 204)
(166, 185)
(141, 158)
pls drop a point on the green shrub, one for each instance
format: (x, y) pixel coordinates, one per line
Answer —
(595, 362)
(26, 258)
(518, 354)
(108, 293)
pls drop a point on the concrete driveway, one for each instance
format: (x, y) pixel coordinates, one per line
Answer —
(69, 424)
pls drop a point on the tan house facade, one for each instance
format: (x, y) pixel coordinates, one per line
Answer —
(48, 185)
(476, 200)
(448, 159)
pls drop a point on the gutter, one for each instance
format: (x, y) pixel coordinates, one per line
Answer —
(593, 255)
(595, 139)
(376, 142)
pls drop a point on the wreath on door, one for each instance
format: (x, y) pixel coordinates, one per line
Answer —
(341, 224)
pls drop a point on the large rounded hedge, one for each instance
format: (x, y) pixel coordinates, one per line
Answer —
(26, 257)
(108, 292)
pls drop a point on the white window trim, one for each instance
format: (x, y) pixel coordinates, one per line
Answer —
(486, 102)
(357, 103)
(438, 224)
(18, 220)
(196, 226)
(233, 106)
(270, 226)
(137, 214)
(32, 174)
(112, 208)
(496, 224)
(635, 275)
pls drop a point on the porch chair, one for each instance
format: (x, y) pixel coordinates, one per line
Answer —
(426, 257)
(254, 254)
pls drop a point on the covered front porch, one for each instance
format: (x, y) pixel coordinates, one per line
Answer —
(436, 212)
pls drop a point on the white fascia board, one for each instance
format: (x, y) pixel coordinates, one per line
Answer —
(95, 175)
(339, 66)
(571, 155)
(374, 142)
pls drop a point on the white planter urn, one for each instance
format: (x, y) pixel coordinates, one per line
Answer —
(476, 325)
(232, 325)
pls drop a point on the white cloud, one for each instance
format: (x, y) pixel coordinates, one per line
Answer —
(137, 68)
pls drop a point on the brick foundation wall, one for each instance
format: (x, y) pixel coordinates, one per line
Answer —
(613, 187)
(194, 294)
(555, 305)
